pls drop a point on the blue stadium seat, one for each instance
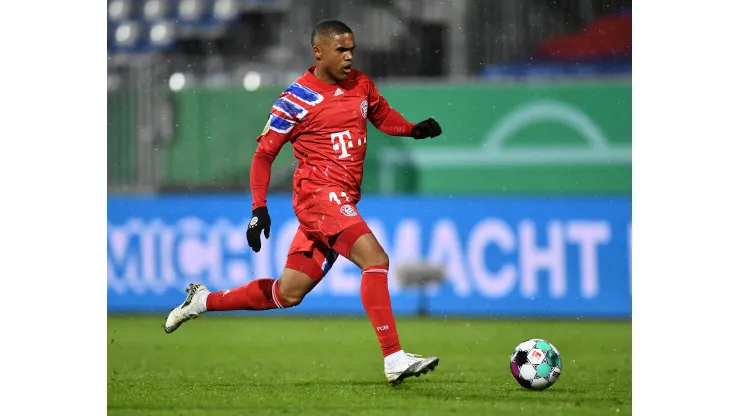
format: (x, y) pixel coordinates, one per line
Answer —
(121, 10)
(130, 36)
(226, 10)
(111, 37)
(162, 36)
(143, 26)
(547, 69)
(195, 13)
(156, 10)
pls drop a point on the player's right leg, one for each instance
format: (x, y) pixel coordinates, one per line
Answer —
(338, 224)
(307, 263)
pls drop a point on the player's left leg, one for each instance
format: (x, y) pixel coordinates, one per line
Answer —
(360, 246)
(257, 295)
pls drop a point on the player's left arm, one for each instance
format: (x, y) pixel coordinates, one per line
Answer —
(392, 123)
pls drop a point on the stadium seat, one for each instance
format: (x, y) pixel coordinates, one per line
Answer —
(194, 13)
(111, 37)
(162, 36)
(225, 10)
(120, 10)
(129, 37)
(143, 26)
(156, 10)
(602, 48)
(605, 38)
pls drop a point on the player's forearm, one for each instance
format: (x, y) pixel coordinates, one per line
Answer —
(393, 124)
(259, 177)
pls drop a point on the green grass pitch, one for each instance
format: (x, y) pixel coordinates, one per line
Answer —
(271, 365)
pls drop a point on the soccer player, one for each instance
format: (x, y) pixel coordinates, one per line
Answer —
(324, 115)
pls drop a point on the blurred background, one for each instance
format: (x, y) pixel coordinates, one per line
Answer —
(522, 207)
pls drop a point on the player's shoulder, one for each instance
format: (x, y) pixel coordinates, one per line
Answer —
(303, 90)
(297, 100)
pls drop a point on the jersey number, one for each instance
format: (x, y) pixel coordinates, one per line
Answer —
(333, 197)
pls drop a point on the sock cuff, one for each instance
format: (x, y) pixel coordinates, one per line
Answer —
(203, 302)
(375, 269)
(276, 295)
(208, 301)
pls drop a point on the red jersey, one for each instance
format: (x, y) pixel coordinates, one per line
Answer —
(327, 126)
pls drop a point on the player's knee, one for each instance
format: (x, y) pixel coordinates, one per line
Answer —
(375, 256)
(367, 252)
(291, 299)
(380, 258)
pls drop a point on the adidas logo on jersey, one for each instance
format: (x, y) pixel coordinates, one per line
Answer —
(338, 92)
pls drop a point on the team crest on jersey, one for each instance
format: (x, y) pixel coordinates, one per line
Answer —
(363, 108)
(348, 210)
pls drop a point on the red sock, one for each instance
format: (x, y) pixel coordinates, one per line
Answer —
(256, 295)
(377, 303)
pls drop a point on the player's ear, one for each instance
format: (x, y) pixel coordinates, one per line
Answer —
(316, 52)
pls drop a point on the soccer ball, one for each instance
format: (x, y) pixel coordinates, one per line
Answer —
(536, 364)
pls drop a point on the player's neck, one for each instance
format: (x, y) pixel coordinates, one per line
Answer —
(323, 76)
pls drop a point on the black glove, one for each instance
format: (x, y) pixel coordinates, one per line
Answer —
(427, 128)
(260, 221)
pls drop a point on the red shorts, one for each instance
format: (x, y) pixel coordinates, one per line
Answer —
(329, 226)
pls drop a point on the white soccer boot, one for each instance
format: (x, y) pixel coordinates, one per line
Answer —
(408, 365)
(190, 309)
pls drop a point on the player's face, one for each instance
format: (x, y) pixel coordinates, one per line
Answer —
(336, 54)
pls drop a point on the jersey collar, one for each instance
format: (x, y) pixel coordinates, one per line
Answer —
(311, 78)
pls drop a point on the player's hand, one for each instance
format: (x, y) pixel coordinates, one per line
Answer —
(427, 128)
(260, 221)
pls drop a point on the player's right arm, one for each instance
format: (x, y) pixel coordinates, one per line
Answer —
(280, 127)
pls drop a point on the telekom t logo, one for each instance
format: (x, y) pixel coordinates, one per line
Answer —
(337, 140)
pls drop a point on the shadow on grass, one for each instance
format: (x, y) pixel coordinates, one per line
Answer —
(452, 390)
